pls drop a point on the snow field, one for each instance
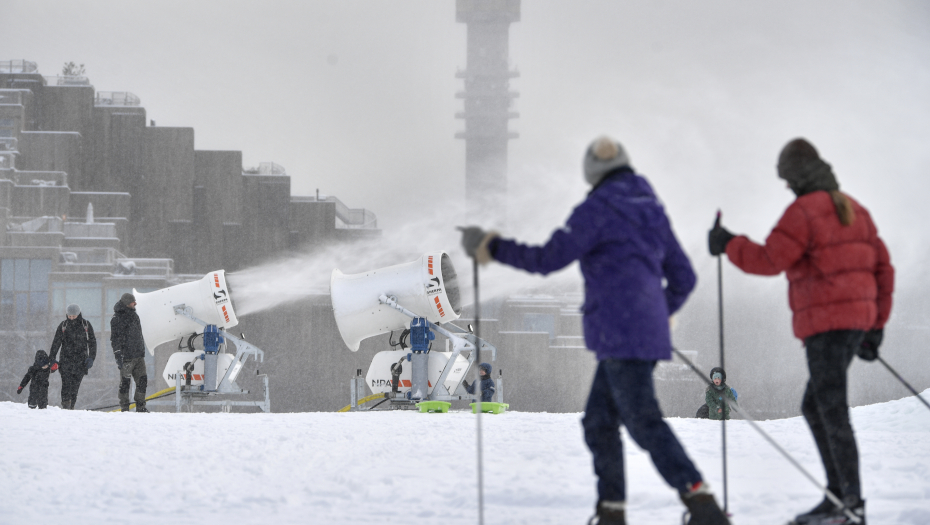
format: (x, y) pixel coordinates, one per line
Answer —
(405, 467)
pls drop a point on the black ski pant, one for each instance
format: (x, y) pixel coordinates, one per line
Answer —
(623, 393)
(70, 384)
(826, 408)
(133, 369)
(38, 396)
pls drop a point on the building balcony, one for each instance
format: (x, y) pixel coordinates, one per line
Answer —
(116, 98)
(66, 80)
(18, 66)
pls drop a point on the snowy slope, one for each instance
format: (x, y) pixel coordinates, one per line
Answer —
(84, 467)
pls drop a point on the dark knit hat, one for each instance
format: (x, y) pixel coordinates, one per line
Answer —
(127, 299)
(801, 165)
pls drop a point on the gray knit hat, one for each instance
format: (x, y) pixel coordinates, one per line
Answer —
(127, 299)
(73, 309)
(603, 156)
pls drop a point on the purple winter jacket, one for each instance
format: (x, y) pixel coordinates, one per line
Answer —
(626, 249)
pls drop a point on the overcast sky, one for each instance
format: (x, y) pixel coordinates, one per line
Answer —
(356, 98)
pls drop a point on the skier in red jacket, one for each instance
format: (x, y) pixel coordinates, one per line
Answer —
(840, 284)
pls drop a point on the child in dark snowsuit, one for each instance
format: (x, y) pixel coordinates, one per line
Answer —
(713, 396)
(38, 373)
(487, 384)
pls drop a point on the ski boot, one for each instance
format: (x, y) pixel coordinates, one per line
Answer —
(142, 409)
(609, 513)
(852, 513)
(702, 507)
(815, 514)
(124, 408)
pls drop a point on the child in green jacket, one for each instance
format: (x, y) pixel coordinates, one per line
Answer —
(713, 396)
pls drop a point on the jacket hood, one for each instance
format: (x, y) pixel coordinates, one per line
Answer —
(120, 308)
(632, 198)
(486, 367)
(723, 373)
(41, 358)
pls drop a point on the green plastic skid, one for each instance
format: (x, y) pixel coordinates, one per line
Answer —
(434, 406)
(493, 408)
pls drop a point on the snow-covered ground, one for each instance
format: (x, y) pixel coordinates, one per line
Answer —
(404, 467)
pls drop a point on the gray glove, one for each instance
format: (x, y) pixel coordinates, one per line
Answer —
(471, 238)
(476, 241)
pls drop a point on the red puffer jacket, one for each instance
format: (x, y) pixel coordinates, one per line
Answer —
(840, 277)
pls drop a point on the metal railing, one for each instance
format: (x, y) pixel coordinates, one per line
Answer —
(265, 168)
(67, 80)
(116, 98)
(18, 66)
(354, 218)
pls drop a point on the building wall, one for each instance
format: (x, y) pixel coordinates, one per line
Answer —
(218, 173)
(103, 158)
(265, 228)
(52, 151)
(66, 108)
(168, 160)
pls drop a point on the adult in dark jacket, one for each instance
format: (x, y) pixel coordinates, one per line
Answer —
(38, 374)
(714, 394)
(75, 338)
(129, 351)
(636, 275)
(487, 383)
(840, 283)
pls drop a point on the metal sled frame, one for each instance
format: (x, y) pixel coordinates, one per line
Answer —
(228, 384)
(462, 341)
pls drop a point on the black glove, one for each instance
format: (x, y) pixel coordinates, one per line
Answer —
(718, 238)
(868, 350)
(471, 238)
(465, 383)
(88, 363)
(19, 390)
(119, 359)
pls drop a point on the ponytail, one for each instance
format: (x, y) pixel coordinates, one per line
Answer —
(844, 207)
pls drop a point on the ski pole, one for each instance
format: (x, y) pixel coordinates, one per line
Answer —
(752, 422)
(903, 382)
(723, 421)
(478, 388)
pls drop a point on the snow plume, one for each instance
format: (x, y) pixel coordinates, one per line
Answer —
(534, 211)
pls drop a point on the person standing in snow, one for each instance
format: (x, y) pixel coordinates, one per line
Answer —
(840, 282)
(75, 338)
(636, 276)
(713, 395)
(487, 384)
(129, 351)
(38, 373)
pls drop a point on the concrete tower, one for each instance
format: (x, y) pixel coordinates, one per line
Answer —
(488, 100)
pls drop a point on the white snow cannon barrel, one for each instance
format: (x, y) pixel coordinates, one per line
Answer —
(427, 286)
(209, 300)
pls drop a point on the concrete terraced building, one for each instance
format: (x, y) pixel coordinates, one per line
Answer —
(94, 202)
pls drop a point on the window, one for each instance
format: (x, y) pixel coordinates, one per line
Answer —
(24, 294)
(539, 323)
(6, 127)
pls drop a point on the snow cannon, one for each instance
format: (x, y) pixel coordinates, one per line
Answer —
(199, 309)
(208, 299)
(428, 286)
(419, 299)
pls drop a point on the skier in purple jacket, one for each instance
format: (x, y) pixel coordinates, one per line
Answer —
(636, 275)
